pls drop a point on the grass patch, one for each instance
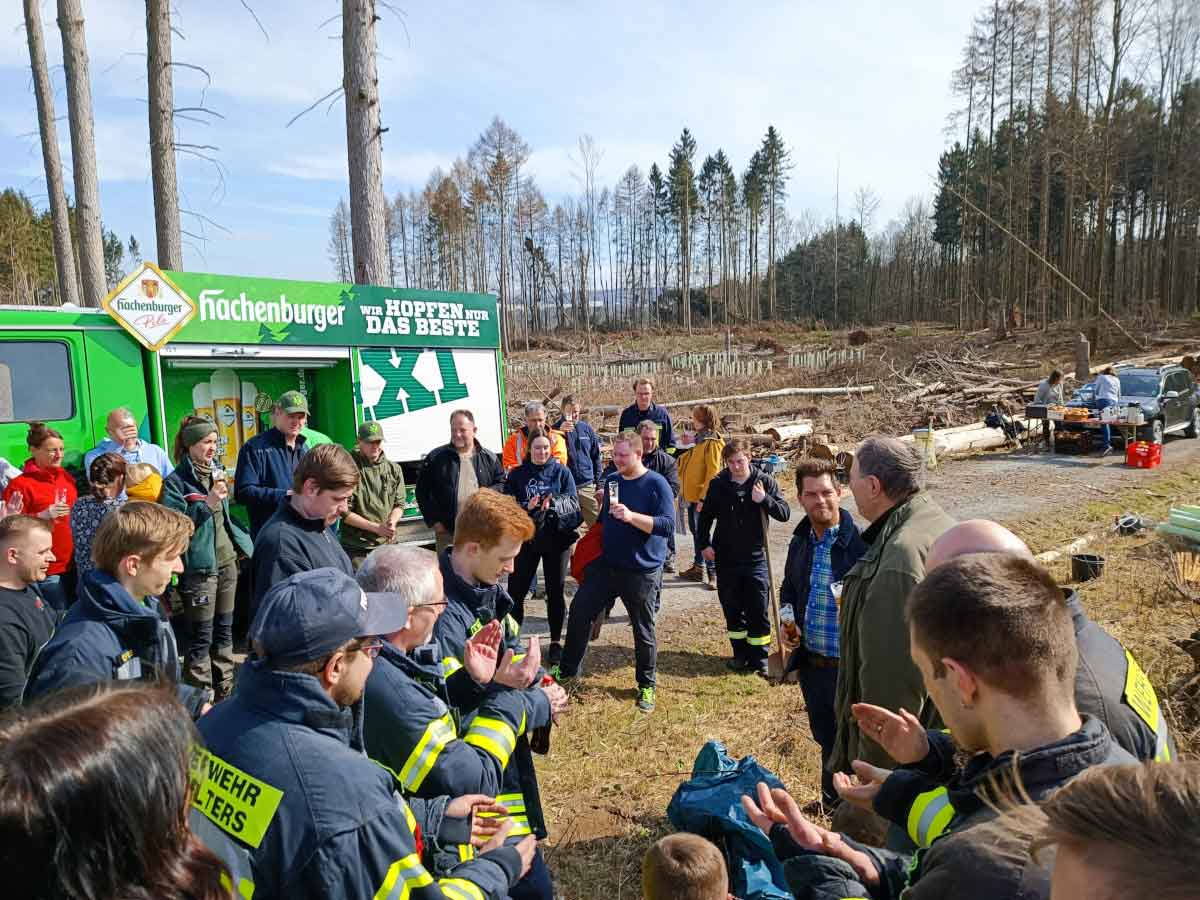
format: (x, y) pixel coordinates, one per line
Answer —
(611, 770)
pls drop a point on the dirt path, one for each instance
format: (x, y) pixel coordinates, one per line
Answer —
(1006, 487)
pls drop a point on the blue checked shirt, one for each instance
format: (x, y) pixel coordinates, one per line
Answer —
(821, 613)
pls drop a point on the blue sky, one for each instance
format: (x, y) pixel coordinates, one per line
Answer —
(864, 83)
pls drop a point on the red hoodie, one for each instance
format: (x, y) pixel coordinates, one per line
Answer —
(36, 487)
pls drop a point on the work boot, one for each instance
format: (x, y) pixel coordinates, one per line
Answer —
(712, 581)
(554, 655)
(695, 573)
(645, 701)
(669, 566)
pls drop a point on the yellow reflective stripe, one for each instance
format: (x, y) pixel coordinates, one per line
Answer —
(493, 735)
(475, 628)
(460, 888)
(466, 853)
(410, 819)
(404, 874)
(1162, 749)
(736, 635)
(763, 641)
(508, 799)
(245, 887)
(929, 816)
(512, 625)
(517, 657)
(237, 803)
(1139, 694)
(450, 665)
(438, 734)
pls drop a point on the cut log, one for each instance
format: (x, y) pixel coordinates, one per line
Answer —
(785, 431)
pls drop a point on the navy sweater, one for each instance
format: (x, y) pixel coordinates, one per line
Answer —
(631, 417)
(629, 548)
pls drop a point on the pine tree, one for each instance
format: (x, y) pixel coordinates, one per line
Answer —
(681, 180)
(776, 160)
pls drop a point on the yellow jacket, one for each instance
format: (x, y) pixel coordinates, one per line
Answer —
(514, 448)
(699, 466)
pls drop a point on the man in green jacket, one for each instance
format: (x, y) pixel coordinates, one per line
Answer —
(378, 502)
(876, 666)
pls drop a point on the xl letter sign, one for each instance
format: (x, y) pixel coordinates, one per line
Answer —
(149, 306)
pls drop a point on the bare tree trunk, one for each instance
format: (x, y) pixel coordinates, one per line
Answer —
(364, 142)
(60, 221)
(162, 134)
(83, 153)
(1047, 136)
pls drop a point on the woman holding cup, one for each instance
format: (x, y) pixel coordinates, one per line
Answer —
(546, 489)
(198, 489)
(46, 490)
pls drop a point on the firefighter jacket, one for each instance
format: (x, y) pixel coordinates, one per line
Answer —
(740, 530)
(282, 776)
(1110, 685)
(107, 635)
(469, 608)
(410, 728)
(959, 837)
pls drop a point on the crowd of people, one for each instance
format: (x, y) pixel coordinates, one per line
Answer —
(975, 727)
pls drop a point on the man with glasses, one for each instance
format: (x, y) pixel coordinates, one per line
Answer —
(319, 819)
(412, 724)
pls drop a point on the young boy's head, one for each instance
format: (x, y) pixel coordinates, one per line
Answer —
(141, 544)
(684, 867)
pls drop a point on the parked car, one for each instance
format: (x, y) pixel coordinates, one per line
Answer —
(1167, 395)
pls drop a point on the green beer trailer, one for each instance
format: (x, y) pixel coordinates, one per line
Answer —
(168, 344)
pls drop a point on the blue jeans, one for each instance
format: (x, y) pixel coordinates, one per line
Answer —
(1102, 405)
(693, 521)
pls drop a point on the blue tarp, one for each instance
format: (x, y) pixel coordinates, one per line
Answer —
(710, 804)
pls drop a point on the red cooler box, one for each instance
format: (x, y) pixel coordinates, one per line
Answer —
(1143, 455)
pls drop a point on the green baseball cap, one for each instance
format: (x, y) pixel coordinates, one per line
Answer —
(370, 431)
(292, 402)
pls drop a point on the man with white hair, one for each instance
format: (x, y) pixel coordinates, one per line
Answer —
(517, 445)
(875, 665)
(408, 716)
(122, 430)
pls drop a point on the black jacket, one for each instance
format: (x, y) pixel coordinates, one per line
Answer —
(437, 484)
(109, 636)
(739, 537)
(1107, 675)
(848, 548)
(290, 543)
(962, 852)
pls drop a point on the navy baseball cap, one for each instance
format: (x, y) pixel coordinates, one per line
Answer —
(310, 614)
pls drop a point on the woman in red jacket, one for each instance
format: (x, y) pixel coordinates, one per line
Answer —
(48, 491)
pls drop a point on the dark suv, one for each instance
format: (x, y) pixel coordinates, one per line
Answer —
(1167, 395)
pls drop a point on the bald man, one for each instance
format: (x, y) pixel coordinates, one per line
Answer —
(122, 430)
(1107, 675)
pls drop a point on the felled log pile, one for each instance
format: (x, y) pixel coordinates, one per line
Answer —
(958, 382)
